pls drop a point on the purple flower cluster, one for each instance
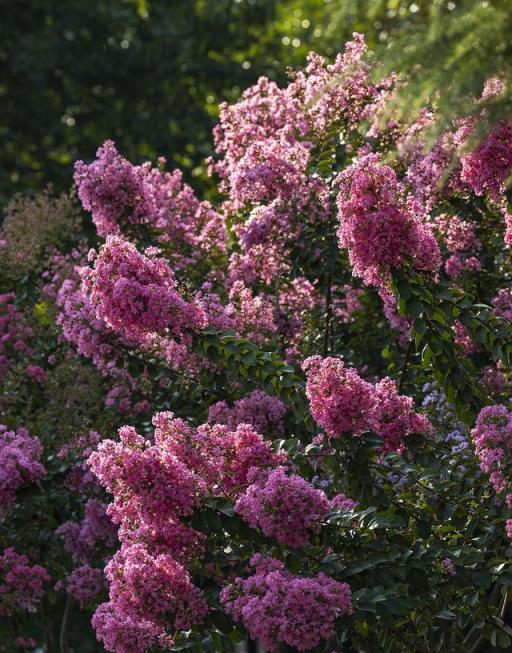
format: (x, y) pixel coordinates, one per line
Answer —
(122, 197)
(85, 583)
(137, 295)
(21, 585)
(276, 606)
(20, 462)
(380, 225)
(342, 402)
(264, 412)
(81, 539)
(284, 506)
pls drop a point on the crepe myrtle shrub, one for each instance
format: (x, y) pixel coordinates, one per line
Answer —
(283, 417)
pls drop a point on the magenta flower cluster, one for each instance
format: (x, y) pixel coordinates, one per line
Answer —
(123, 197)
(381, 226)
(155, 485)
(137, 295)
(276, 606)
(21, 585)
(84, 584)
(492, 436)
(15, 334)
(20, 463)
(264, 412)
(81, 539)
(342, 402)
(284, 506)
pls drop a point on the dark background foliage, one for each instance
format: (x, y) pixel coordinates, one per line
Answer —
(150, 73)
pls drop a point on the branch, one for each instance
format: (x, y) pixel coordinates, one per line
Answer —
(63, 637)
(328, 315)
(406, 365)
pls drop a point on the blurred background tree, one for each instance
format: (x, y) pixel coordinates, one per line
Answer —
(150, 73)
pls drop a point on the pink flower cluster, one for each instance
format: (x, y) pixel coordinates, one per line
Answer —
(265, 141)
(15, 334)
(20, 456)
(494, 380)
(114, 191)
(461, 242)
(263, 412)
(381, 227)
(152, 489)
(137, 295)
(155, 485)
(401, 323)
(221, 457)
(278, 607)
(26, 642)
(127, 633)
(493, 87)
(502, 303)
(21, 585)
(146, 479)
(341, 92)
(79, 479)
(342, 402)
(350, 304)
(122, 197)
(145, 592)
(487, 168)
(158, 483)
(342, 502)
(84, 584)
(81, 539)
(81, 327)
(263, 111)
(155, 585)
(91, 337)
(248, 314)
(492, 436)
(393, 416)
(284, 506)
(339, 399)
(449, 567)
(463, 339)
(431, 171)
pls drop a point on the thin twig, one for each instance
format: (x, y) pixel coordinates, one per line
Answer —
(63, 638)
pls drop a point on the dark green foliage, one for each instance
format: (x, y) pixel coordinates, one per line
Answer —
(149, 76)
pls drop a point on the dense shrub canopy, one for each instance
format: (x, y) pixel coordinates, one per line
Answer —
(281, 415)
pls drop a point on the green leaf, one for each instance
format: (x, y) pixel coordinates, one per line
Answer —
(414, 307)
(446, 615)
